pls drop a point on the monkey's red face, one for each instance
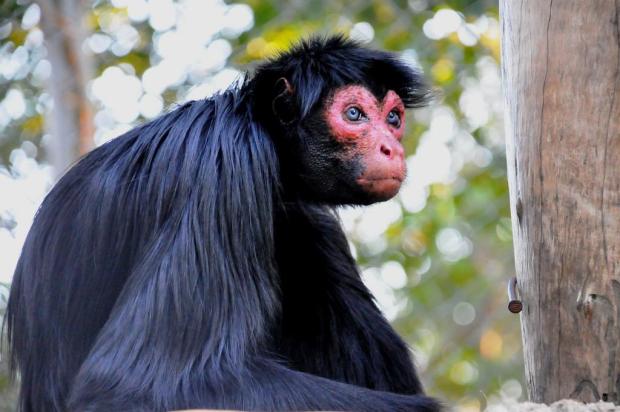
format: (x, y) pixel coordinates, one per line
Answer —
(370, 130)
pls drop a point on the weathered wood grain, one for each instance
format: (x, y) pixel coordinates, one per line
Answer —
(561, 77)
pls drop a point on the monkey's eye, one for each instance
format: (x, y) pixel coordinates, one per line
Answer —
(393, 119)
(353, 114)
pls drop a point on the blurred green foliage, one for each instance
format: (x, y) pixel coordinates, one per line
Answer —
(468, 360)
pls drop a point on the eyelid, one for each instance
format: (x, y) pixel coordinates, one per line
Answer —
(353, 106)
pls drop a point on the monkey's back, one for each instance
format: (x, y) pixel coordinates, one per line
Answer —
(98, 223)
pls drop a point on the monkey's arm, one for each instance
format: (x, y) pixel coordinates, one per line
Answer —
(331, 326)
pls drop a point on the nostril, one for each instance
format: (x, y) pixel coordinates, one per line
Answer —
(386, 150)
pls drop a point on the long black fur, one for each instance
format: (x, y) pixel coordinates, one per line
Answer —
(174, 267)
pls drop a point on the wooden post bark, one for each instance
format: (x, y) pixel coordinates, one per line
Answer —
(561, 77)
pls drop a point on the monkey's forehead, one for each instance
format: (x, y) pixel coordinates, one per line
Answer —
(362, 95)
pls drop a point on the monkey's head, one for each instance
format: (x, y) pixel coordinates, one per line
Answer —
(336, 112)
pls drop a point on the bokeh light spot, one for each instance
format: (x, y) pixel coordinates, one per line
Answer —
(491, 344)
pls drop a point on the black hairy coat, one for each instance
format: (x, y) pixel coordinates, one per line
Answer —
(180, 265)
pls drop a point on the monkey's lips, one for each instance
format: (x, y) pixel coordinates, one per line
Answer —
(381, 187)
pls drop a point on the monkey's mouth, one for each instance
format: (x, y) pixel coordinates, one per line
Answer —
(381, 187)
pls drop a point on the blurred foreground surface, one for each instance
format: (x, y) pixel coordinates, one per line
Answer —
(437, 257)
(566, 405)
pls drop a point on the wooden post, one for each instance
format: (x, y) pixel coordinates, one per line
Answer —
(561, 77)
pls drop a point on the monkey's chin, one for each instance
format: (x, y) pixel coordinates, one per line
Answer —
(380, 189)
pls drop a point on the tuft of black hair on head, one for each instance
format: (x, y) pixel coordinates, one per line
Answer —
(317, 65)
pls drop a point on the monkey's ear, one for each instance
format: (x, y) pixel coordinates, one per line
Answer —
(283, 105)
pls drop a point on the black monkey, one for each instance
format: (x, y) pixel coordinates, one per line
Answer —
(196, 261)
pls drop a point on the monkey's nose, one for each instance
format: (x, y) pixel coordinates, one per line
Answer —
(391, 150)
(386, 150)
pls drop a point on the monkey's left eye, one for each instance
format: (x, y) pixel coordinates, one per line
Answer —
(393, 118)
(353, 114)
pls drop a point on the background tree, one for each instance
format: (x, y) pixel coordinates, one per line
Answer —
(437, 257)
(71, 121)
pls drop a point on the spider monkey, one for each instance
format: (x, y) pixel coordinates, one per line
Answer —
(196, 260)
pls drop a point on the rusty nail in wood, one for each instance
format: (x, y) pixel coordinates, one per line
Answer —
(514, 304)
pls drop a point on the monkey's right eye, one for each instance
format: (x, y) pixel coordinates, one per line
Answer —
(353, 114)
